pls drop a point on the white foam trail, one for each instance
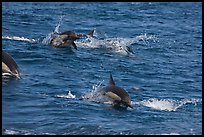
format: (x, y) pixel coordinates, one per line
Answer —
(166, 104)
(118, 45)
(19, 39)
(69, 95)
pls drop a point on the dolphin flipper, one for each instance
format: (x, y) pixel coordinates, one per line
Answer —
(74, 45)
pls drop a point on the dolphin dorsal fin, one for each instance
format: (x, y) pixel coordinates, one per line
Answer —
(91, 33)
(111, 81)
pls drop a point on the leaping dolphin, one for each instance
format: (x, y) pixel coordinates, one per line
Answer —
(67, 38)
(117, 94)
(9, 66)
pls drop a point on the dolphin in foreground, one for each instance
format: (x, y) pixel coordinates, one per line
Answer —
(67, 38)
(117, 94)
(9, 66)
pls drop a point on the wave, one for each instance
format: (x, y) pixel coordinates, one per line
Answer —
(16, 38)
(167, 104)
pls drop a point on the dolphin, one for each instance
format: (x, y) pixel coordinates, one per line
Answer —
(67, 38)
(117, 94)
(9, 66)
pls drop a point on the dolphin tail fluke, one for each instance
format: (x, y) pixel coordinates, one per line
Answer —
(74, 45)
(111, 81)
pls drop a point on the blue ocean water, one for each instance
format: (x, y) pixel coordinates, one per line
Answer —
(162, 74)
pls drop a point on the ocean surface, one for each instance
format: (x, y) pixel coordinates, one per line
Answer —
(56, 95)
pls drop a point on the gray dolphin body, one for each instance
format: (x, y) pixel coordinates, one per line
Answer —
(9, 66)
(117, 94)
(65, 39)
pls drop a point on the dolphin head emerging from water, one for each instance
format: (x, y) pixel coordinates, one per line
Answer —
(9, 66)
(65, 39)
(117, 94)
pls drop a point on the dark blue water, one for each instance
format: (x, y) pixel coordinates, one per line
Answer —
(162, 74)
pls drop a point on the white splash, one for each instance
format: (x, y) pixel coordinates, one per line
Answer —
(50, 36)
(117, 45)
(69, 95)
(167, 104)
(19, 39)
(94, 94)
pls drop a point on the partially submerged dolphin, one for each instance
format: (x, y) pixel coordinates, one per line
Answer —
(119, 96)
(67, 38)
(9, 66)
